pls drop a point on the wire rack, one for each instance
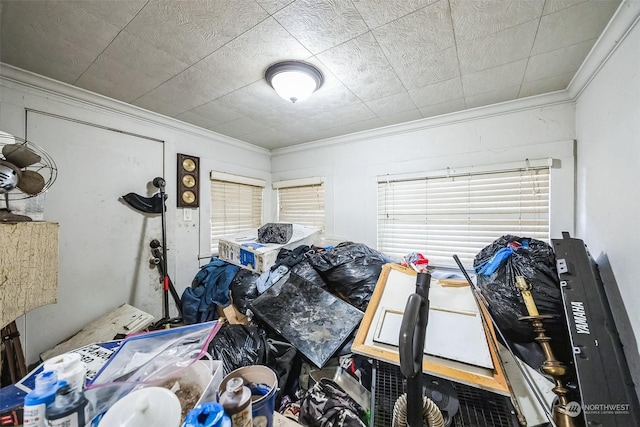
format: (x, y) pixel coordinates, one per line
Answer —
(478, 408)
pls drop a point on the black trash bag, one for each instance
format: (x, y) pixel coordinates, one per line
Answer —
(239, 345)
(298, 262)
(291, 257)
(326, 404)
(280, 357)
(243, 289)
(244, 345)
(351, 270)
(535, 261)
(306, 271)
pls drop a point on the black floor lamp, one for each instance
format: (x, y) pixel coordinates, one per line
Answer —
(156, 205)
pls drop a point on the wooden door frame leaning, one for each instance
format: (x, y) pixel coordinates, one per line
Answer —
(490, 379)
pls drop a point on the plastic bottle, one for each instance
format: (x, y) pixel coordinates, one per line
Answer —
(68, 408)
(69, 367)
(236, 401)
(37, 400)
(209, 414)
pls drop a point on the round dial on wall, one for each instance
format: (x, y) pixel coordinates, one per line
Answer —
(188, 181)
(188, 164)
(188, 197)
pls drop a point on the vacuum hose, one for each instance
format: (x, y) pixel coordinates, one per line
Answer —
(430, 413)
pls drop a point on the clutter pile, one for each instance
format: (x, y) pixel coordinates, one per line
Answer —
(273, 340)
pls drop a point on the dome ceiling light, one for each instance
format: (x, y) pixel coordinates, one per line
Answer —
(293, 80)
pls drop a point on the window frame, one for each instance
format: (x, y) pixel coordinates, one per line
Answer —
(439, 259)
(298, 184)
(241, 183)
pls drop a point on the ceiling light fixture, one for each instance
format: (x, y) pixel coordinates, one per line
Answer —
(293, 80)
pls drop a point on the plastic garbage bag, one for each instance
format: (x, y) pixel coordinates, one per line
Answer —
(244, 345)
(350, 270)
(497, 267)
(326, 404)
(305, 270)
(244, 289)
(148, 359)
(239, 345)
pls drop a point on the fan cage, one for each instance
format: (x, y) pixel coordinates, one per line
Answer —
(478, 408)
(45, 167)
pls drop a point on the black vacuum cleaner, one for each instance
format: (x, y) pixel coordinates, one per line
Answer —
(413, 409)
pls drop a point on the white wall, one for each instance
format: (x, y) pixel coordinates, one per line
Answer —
(94, 276)
(351, 164)
(608, 178)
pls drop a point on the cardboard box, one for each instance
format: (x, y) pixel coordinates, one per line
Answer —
(244, 250)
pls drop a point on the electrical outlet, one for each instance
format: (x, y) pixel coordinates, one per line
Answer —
(187, 214)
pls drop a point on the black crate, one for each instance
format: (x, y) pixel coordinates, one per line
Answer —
(478, 408)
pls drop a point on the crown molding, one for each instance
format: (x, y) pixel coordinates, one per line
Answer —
(39, 84)
(620, 25)
(502, 108)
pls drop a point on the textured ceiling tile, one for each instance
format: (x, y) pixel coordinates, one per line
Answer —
(401, 117)
(500, 95)
(267, 43)
(239, 127)
(421, 33)
(357, 126)
(494, 78)
(272, 142)
(473, 19)
(56, 39)
(362, 67)
(272, 6)
(393, 104)
(182, 93)
(197, 119)
(269, 138)
(444, 108)
(215, 112)
(190, 30)
(573, 25)
(497, 49)
(379, 12)
(551, 84)
(226, 70)
(437, 93)
(431, 68)
(353, 112)
(129, 68)
(559, 61)
(118, 15)
(420, 46)
(319, 25)
(551, 6)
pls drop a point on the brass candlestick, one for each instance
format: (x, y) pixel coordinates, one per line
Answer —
(551, 365)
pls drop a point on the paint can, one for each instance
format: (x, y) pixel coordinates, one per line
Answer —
(263, 383)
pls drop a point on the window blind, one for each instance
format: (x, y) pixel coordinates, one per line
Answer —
(443, 216)
(302, 205)
(234, 207)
